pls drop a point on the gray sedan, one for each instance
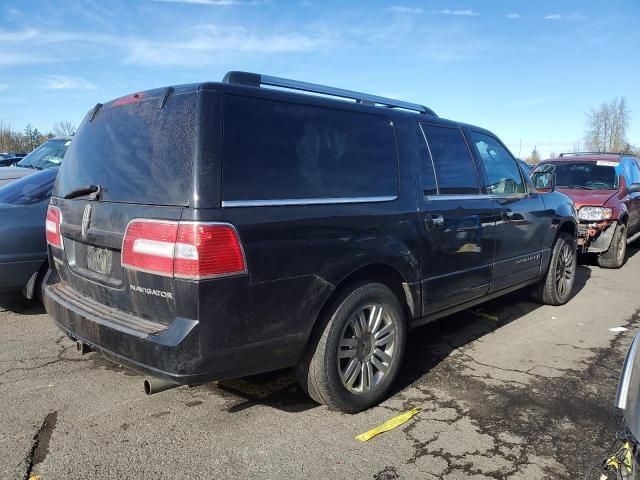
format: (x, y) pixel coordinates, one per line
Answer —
(23, 248)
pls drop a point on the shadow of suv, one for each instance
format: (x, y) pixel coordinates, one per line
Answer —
(224, 229)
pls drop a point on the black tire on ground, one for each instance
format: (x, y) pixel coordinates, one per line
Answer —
(327, 371)
(616, 256)
(556, 286)
(37, 288)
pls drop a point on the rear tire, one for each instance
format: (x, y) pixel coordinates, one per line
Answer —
(556, 286)
(616, 256)
(354, 357)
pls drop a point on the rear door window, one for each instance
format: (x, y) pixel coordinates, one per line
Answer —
(503, 174)
(454, 166)
(279, 151)
(429, 185)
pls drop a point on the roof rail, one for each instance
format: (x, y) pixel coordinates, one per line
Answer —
(256, 80)
(578, 154)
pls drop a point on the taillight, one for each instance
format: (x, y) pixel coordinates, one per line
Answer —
(52, 226)
(191, 250)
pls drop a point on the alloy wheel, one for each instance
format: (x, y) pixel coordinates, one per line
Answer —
(366, 349)
(565, 270)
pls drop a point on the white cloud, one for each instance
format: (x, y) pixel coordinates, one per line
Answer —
(213, 42)
(463, 13)
(4, 86)
(403, 9)
(65, 82)
(219, 3)
(513, 16)
(574, 17)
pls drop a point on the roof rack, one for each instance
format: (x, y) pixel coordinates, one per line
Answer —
(256, 80)
(579, 154)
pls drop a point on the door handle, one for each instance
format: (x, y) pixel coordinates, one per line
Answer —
(434, 221)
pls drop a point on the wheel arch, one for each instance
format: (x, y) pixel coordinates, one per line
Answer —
(408, 294)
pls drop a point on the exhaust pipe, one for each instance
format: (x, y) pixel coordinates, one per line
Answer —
(156, 385)
(83, 348)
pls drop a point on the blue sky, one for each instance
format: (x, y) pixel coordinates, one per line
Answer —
(528, 70)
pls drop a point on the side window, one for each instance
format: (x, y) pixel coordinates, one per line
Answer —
(503, 174)
(455, 172)
(281, 151)
(631, 171)
(429, 186)
(636, 172)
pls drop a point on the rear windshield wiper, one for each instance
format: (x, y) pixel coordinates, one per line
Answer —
(94, 190)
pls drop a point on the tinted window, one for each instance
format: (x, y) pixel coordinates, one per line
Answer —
(30, 189)
(275, 150)
(503, 174)
(428, 174)
(136, 152)
(454, 167)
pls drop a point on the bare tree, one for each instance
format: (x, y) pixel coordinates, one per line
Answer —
(63, 129)
(534, 158)
(607, 126)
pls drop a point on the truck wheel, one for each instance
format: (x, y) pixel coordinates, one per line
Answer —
(556, 286)
(354, 359)
(616, 256)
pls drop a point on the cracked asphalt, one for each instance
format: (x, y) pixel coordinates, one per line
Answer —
(527, 396)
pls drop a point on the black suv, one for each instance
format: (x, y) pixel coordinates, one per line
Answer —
(224, 229)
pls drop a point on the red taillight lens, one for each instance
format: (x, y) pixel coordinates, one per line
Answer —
(207, 250)
(149, 246)
(52, 226)
(190, 250)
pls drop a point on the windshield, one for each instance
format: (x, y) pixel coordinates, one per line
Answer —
(47, 155)
(30, 189)
(583, 175)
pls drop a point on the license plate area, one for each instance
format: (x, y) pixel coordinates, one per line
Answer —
(99, 260)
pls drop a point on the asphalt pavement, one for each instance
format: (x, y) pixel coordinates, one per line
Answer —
(509, 390)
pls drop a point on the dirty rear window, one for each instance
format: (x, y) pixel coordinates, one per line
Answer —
(136, 152)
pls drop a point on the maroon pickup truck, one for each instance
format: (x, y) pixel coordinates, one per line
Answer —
(606, 190)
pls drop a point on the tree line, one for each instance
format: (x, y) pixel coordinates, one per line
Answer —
(606, 129)
(25, 141)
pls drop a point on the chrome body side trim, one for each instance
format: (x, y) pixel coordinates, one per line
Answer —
(306, 201)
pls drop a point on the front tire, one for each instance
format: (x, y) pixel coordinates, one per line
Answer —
(556, 286)
(616, 256)
(354, 359)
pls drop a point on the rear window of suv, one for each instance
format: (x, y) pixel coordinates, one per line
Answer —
(286, 151)
(137, 152)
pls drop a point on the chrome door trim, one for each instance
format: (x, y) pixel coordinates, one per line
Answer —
(307, 201)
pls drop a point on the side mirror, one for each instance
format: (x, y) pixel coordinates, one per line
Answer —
(633, 188)
(544, 181)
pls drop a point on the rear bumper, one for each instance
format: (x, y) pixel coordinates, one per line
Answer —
(180, 352)
(15, 275)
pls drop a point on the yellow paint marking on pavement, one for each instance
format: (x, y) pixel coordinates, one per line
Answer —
(388, 425)
(484, 316)
(35, 477)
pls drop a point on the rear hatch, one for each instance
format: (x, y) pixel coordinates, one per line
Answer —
(138, 151)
